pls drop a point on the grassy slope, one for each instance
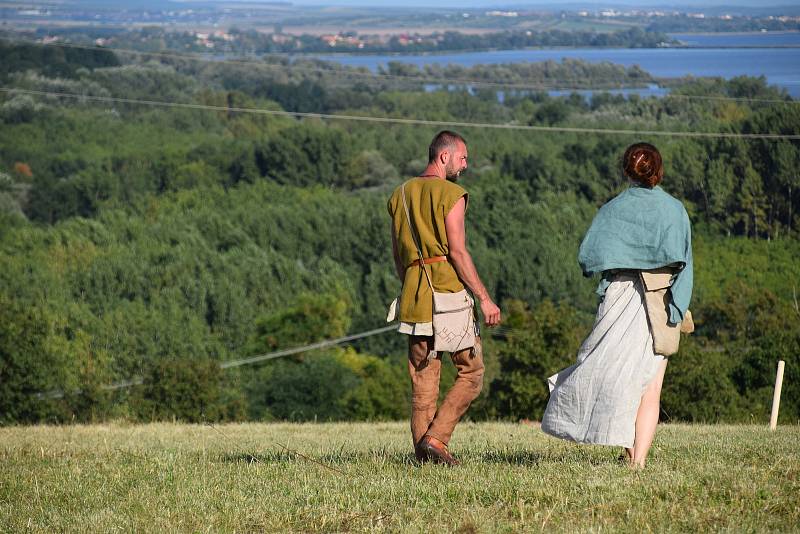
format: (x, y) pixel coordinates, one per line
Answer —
(194, 478)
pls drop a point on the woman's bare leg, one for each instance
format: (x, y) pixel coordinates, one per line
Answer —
(647, 419)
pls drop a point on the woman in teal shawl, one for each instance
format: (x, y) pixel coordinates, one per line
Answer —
(611, 395)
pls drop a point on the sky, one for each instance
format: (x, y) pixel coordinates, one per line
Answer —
(551, 3)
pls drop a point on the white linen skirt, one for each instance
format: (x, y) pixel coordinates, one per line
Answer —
(596, 400)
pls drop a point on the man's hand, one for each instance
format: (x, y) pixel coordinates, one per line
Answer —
(491, 313)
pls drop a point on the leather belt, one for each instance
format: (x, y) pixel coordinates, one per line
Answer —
(427, 261)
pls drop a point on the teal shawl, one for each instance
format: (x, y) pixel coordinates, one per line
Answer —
(642, 228)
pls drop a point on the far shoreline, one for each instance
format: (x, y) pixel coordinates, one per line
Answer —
(709, 34)
(433, 53)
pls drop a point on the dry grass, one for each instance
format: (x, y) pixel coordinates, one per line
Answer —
(239, 478)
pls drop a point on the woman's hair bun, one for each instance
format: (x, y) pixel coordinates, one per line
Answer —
(642, 163)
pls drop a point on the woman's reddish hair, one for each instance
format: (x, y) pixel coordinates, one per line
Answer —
(642, 163)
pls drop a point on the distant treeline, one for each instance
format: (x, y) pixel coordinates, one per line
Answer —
(159, 243)
(688, 24)
(51, 60)
(253, 42)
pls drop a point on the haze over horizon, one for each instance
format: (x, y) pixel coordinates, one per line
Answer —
(552, 3)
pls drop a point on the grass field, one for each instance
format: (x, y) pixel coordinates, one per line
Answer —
(174, 477)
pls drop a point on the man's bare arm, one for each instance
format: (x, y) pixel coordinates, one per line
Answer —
(462, 261)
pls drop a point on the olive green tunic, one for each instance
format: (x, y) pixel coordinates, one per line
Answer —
(429, 201)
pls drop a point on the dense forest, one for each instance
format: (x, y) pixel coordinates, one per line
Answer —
(150, 244)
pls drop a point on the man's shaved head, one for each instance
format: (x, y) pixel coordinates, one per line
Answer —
(444, 140)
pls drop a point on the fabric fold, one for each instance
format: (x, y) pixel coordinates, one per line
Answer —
(596, 399)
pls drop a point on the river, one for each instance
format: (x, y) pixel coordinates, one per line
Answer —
(774, 55)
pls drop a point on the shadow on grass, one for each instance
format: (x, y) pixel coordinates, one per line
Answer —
(378, 457)
(247, 458)
(524, 457)
(534, 458)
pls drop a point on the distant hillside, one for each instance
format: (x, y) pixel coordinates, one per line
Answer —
(156, 243)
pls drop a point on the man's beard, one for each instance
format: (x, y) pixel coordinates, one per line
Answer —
(453, 174)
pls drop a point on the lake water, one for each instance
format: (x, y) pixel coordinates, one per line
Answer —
(780, 66)
(739, 39)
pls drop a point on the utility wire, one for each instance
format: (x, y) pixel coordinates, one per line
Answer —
(313, 346)
(501, 330)
(137, 381)
(407, 121)
(555, 85)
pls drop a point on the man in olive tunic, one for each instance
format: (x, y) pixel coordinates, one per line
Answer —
(437, 206)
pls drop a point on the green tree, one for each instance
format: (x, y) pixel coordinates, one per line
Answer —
(751, 203)
(698, 386)
(307, 155)
(186, 389)
(383, 392)
(540, 342)
(27, 368)
(311, 389)
(311, 318)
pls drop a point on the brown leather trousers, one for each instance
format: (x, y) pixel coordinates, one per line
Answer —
(426, 419)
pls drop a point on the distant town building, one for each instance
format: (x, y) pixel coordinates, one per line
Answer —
(342, 39)
(281, 38)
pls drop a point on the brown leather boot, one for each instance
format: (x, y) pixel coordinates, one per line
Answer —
(437, 451)
(420, 454)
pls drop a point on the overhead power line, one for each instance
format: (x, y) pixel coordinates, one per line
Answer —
(306, 348)
(553, 85)
(499, 331)
(409, 121)
(137, 381)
